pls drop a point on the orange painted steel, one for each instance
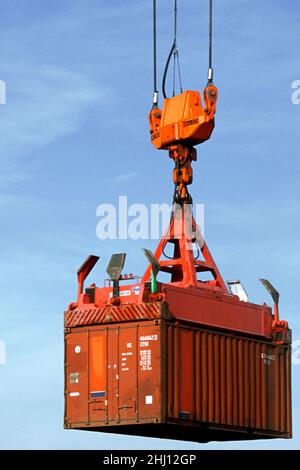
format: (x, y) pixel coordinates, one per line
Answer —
(115, 314)
(183, 268)
(184, 119)
(97, 365)
(176, 380)
(182, 123)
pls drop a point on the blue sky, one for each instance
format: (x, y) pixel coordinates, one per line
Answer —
(74, 134)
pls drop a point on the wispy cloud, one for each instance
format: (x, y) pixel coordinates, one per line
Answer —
(125, 177)
(252, 214)
(43, 105)
(47, 98)
(12, 177)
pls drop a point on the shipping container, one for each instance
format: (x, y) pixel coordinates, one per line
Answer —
(146, 377)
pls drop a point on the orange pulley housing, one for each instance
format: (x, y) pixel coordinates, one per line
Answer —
(183, 119)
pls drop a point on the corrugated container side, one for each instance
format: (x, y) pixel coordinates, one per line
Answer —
(228, 380)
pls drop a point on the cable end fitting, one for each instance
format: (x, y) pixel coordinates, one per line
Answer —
(210, 75)
(155, 99)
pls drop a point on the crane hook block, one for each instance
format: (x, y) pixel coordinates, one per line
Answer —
(184, 119)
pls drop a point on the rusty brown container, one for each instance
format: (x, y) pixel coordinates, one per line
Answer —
(163, 379)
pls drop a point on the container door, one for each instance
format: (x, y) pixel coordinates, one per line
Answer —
(76, 378)
(128, 382)
(98, 376)
(112, 373)
(150, 360)
(134, 371)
